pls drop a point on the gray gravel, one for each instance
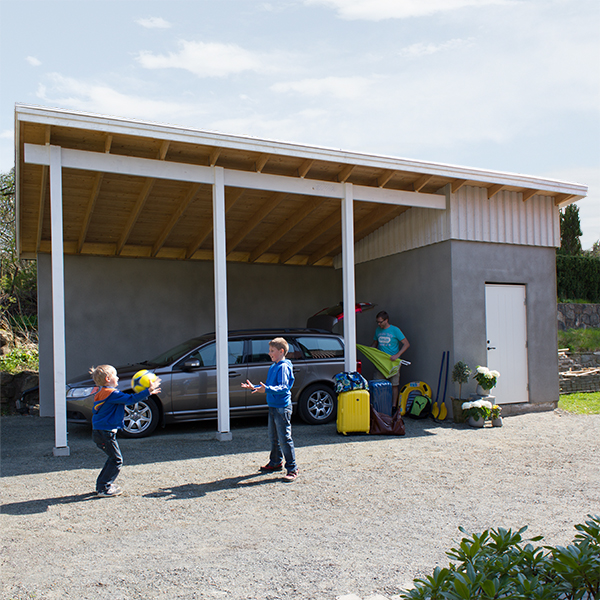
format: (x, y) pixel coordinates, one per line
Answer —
(366, 516)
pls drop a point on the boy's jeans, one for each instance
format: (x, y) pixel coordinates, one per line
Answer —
(107, 442)
(280, 434)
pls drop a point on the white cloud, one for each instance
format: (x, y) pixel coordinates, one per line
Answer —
(377, 10)
(7, 134)
(338, 87)
(206, 59)
(426, 49)
(101, 98)
(154, 23)
(33, 61)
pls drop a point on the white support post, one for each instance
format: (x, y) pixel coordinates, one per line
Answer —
(348, 278)
(58, 304)
(221, 328)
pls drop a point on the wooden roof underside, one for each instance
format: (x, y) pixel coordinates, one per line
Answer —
(107, 214)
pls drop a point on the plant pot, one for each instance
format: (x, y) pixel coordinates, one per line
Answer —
(473, 422)
(497, 422)
(457, 411)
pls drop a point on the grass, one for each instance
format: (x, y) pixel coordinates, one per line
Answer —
(581, 403)
(580, 340)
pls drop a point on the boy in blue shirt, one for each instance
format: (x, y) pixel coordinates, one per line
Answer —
(280, 380)
(107, 419)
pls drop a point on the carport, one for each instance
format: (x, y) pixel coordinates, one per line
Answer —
(120, 188)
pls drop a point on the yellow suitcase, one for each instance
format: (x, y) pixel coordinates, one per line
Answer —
(354, 412)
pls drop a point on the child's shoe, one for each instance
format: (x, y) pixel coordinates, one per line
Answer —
(113, 490)
(291, 476)
(271, 468)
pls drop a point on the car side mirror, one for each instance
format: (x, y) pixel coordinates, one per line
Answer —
(188, 365)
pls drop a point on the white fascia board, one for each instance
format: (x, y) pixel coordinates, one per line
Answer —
(116, 125)
(147, 167)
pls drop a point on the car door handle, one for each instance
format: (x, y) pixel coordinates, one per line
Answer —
(233, 375)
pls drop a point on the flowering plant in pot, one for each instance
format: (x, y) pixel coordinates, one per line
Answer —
(495, 412)
(477, 411)
(485, 378)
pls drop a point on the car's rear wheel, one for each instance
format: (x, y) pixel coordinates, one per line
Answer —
(141, 418)
(317, 404)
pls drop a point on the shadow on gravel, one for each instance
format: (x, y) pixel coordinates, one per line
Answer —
(31, 507)
(27, 442)
(196, 490)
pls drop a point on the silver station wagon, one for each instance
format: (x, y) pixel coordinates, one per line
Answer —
(188, 373)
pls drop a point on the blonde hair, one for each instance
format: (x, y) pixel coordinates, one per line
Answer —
(101, 373)
(280, 344)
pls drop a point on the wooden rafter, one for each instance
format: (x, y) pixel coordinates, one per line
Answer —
(420, 183)
(457, 184)
(329, 221)
(385, 177)
(135, 213)
(529, 194)
(494, 189)
(164, 148)
(305, 209)
(214, 157)
(187, 199)
(560, 198)
(259, 165)
(206, 229)
(304, 168)
(89, 210)
(379, 213)
(92, 199)
(271, 203)
(343, 175)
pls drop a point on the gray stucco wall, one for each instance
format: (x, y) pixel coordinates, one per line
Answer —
(120, 310)
(436, 295)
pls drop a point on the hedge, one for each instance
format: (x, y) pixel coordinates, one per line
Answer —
(578, 278)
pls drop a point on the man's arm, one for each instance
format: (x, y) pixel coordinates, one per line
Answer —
(405, 345)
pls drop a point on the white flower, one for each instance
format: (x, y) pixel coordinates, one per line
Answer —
(482, 370)
(495, 374)
(486, 404)
(467, 405)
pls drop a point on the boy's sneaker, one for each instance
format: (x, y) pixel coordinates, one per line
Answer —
(113, 490)
(271, 468)
(290, 476)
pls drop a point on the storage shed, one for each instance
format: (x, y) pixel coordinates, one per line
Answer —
(148, 234)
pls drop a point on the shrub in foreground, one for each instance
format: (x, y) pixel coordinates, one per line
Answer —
(499, 563)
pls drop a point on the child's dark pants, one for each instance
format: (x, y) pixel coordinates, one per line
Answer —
(107, 442)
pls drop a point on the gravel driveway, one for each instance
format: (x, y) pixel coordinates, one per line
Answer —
(366, 515)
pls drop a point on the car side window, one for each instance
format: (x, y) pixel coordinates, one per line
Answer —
(318, 347)
(259, 351)
(207, 355)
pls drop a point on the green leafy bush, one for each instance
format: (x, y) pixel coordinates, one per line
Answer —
(20, 359)
(499, 563)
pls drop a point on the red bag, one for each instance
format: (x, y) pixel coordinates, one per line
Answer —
(385, 425)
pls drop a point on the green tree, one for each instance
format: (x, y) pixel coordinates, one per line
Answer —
(18, 278)
(570, 230)
(594, 251)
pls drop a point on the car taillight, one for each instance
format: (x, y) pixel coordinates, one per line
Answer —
(359, 366)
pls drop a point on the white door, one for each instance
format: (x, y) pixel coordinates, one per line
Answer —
(506, 329)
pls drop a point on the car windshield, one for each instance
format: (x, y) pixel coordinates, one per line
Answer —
(179, 351)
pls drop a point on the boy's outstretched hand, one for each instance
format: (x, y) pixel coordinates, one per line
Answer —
(254, 388)
(154, 387)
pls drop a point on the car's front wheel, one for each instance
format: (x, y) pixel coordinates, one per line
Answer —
(317, 404)
(141, 418)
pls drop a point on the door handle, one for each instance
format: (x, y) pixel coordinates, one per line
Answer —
(491, 347)
(233, 375)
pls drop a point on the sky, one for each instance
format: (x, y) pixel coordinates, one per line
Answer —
(504, 85)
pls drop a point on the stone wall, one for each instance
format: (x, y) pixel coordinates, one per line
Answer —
(579, 372)
(578, 316)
